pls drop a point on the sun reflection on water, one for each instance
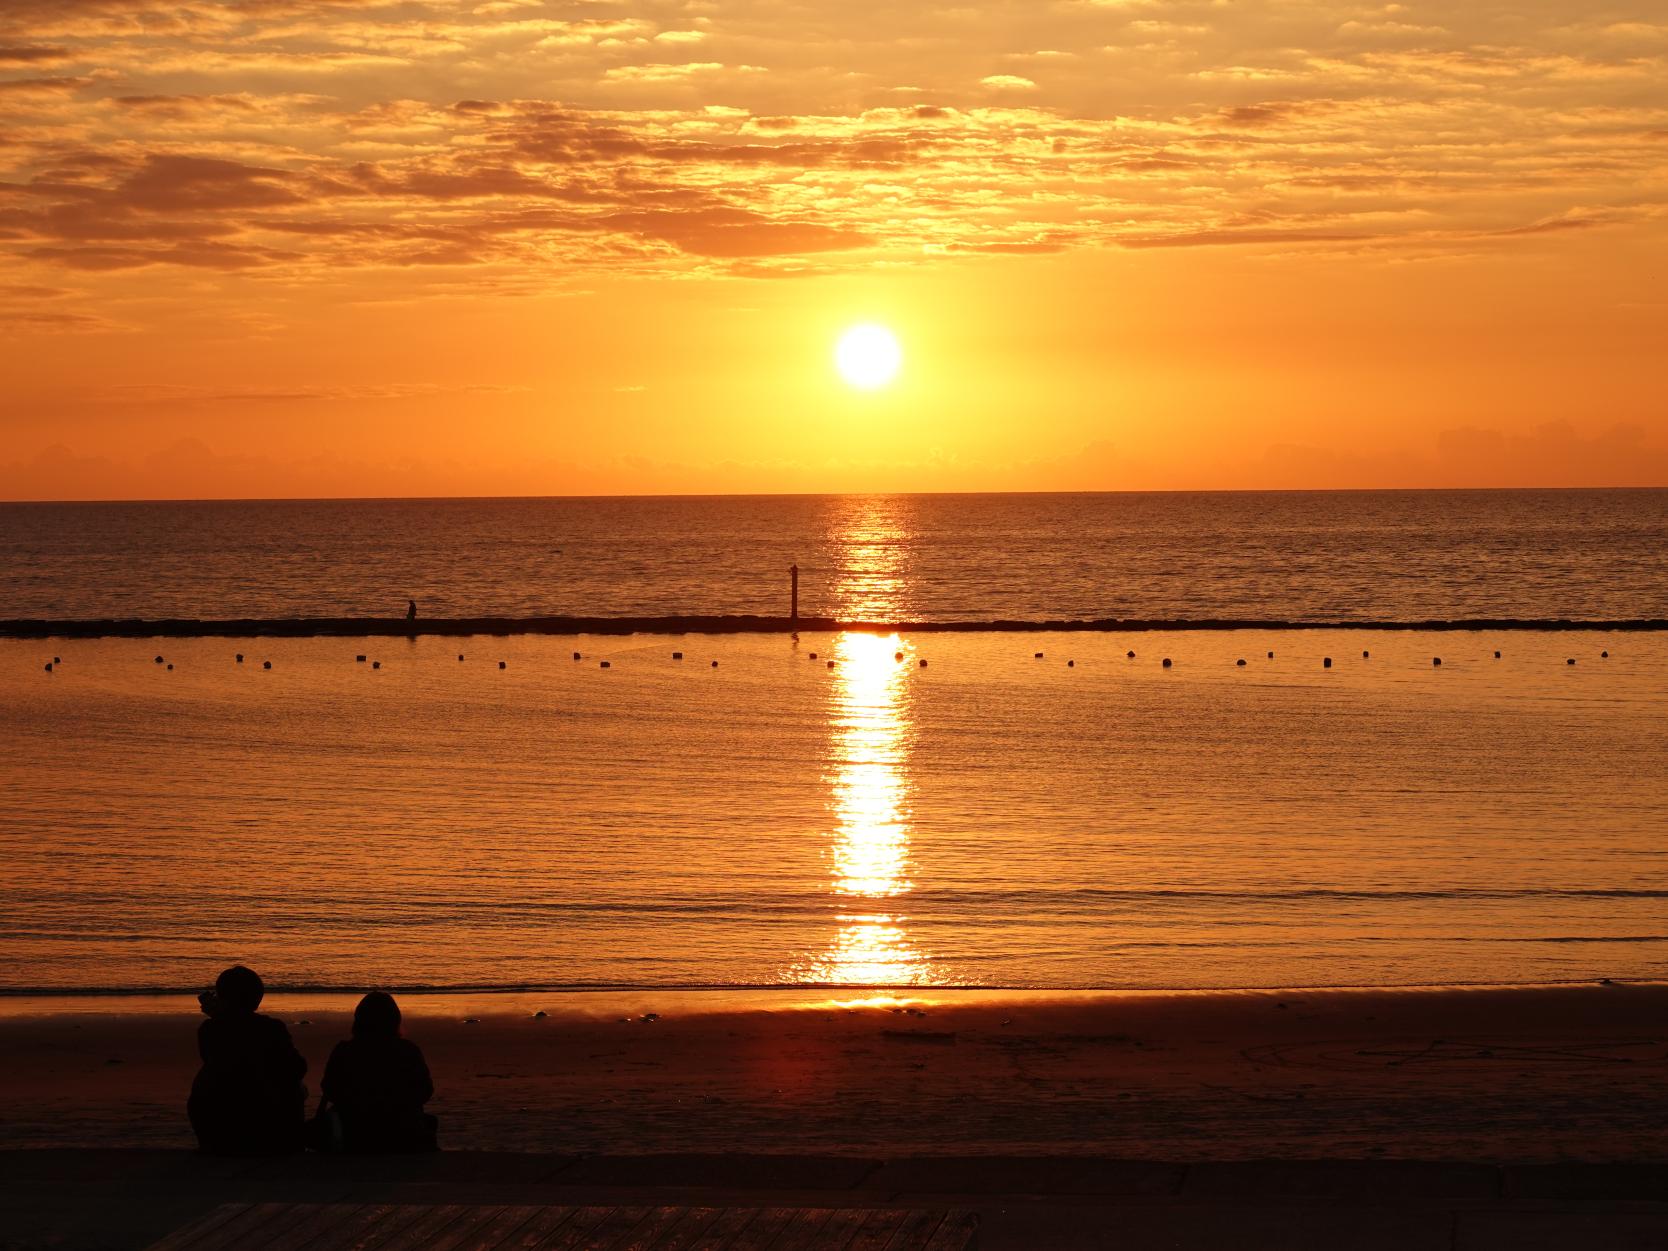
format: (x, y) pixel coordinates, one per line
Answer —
(872, 734)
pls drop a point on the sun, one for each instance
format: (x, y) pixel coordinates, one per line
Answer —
(868, 356)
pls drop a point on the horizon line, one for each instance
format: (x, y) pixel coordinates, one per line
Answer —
(689, 495)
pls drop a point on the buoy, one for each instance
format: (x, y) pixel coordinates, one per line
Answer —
(813, 655)
(677, 655)
(58, 660)
(460, 655)
(240, 658)
(605, 665)
(157, 661)
(1166, 662)
(49, 666)
(1131, 655)
(1071, 664)
(897, 655)
(1365, 655)
(1436, 660)
(266, 664)
(1570, 661)
(170, 668)
(715, 664)
(576, 655)
(1326, 663)
(1239, 664)
(376, 664)
(540, 1015)
(1497, 655)
(360, 658)
(1271, 655)
(1036, 655)
(1604, 655)
(831, 664)
(503, 665)
(923, 664)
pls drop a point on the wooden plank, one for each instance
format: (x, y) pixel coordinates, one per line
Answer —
(877, 1229)
(487, 1236)
(842, 1227)
(689, 1227)
(577, 1230)
(391, 1219)
(916, 1229)
(801, 1232)
(721, 1234)
(429, 1228)
(254, 1227)
(607, 1232)
(761, 1232)
(469, 1219)
(543, 1226)
(204, 1225)
(317, 1218)
(957, 1233)
(362, 1226)
(647, 1232)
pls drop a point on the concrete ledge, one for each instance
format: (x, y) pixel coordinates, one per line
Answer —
(1587, 1181)
(728, 1172)
(1371, 1181)
(1024, 1175)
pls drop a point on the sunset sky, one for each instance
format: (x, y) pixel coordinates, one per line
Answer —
(297, 248)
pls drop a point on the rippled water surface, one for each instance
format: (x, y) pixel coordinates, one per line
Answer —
(1085, 818)
(1416, 555)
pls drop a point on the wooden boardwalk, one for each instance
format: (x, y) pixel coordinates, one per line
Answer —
(458, 1227)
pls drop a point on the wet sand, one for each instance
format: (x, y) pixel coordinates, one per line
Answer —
(1485, 1075)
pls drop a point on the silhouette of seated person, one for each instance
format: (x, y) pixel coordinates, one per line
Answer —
(378, 1082)
(247, 1099)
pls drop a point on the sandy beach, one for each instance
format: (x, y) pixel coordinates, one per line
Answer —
(1488, 1075)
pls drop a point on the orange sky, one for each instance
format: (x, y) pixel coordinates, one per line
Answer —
(289, 247)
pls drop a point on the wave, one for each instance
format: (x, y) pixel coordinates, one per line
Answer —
(895, 988)
(375, 627)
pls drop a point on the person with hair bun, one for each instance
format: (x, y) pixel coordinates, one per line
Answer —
(376, 1084)
(247, 1099)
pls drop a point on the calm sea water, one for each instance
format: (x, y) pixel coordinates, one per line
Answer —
(1417, 555)
(1085, 818)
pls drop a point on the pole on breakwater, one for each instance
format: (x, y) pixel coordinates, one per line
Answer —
(793, 594)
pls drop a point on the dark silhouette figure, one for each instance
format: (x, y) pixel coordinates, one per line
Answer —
(247, 1098)
(378, 1083)
(411, 610)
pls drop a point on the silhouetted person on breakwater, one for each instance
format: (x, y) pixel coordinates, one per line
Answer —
(378, 1083)
(411, 610)
(247, 1098)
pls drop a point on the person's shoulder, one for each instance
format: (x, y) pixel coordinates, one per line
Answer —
(271, 1025)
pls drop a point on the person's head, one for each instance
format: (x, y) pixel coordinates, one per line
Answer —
(377, 1016)
(239, 989)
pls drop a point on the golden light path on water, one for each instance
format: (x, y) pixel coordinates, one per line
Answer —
(871, 737)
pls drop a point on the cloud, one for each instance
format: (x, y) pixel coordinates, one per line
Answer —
(303, 138)
(33, 54)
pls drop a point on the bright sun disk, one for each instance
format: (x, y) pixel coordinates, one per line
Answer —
(868, 356)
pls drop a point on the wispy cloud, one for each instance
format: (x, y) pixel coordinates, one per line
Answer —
(303, 139)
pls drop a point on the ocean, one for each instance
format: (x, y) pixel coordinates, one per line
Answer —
(1376, 555)
(900, 809)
